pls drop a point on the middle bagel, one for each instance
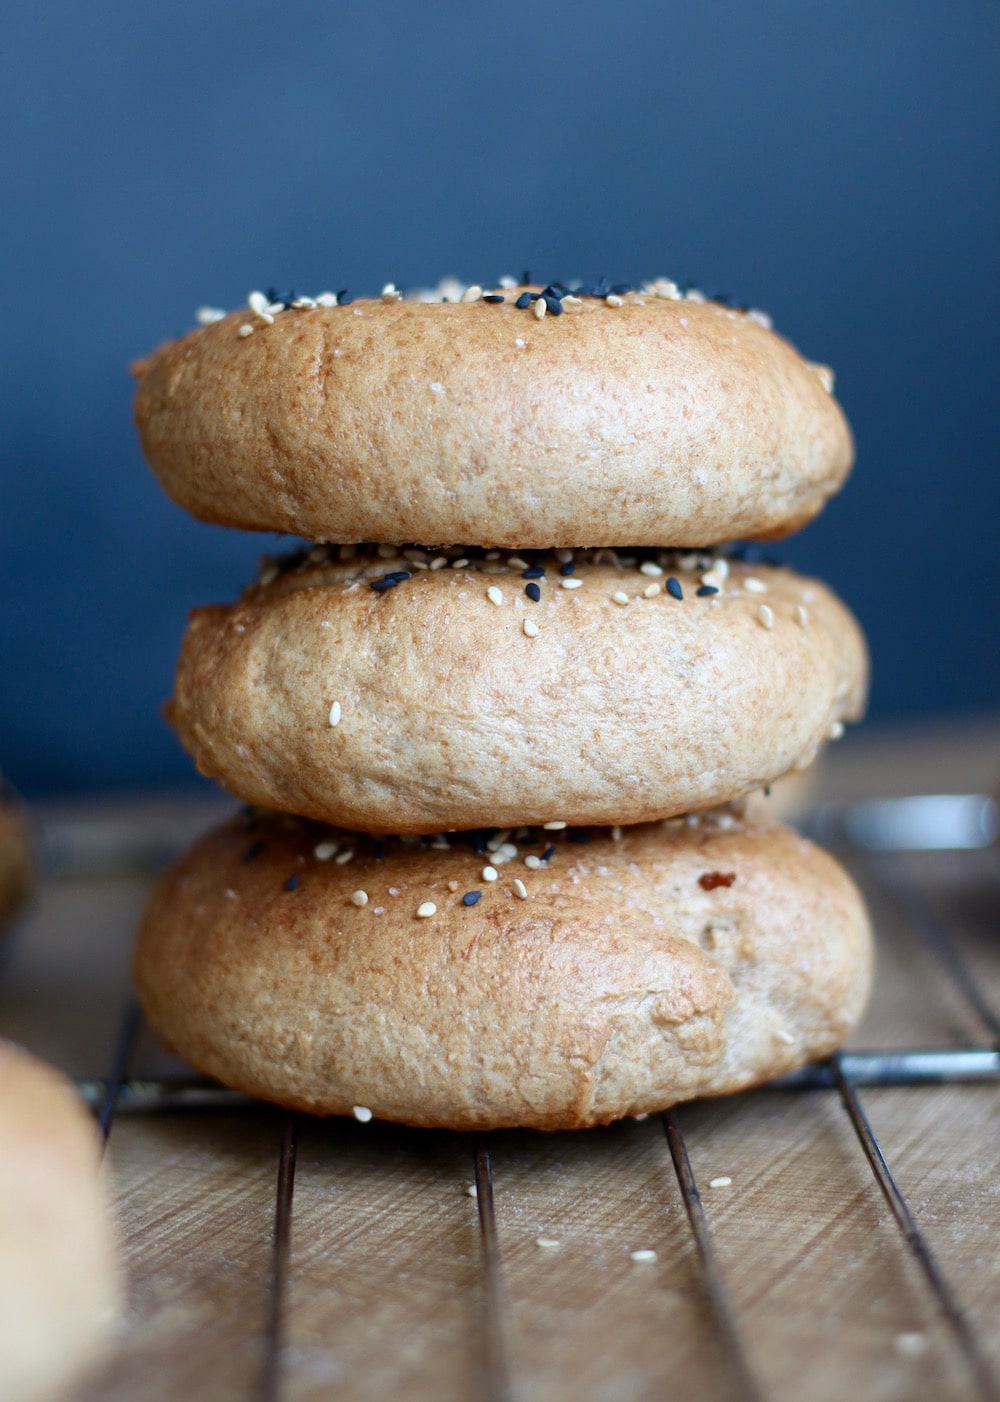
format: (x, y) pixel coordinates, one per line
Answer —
(430, 692)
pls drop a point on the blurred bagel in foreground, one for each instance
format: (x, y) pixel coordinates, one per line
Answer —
(59, 1278)
(624, 419)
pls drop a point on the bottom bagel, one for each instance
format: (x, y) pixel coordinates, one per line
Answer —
(550, 980)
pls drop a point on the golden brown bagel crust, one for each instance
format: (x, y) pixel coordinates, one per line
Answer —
(452, 718)
(59, 1283)
(15, 859)
(652, 423)
(630, 976)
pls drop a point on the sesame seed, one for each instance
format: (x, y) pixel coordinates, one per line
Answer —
(753, 585)
(439, 562)
(205, 316)
(614, 301)
(535, 572)
(532, 862)
(674, 588)
(252, 852)
(516, 563)
(651, 591)
(524, 300)
(549, 853)
(765, 616)
(520, 888)
(426, 909)
(530, 628)
(648, 567)
(494, 595)
(712, 580)
(342, 858)
(540, 308)
(801, 615)
(723, 1182)
(471, 897)
(785, 1037)
(473, 293)
(323, 851)
(390, 293)
(836, 730)
(246, 329)
(554, 827)
(547, 1243)
(533, 591)
(359, 898)
(825, 376)
(563, 555)
(643, 1256)
(706, 590)
(620, 597)
(570, 583)
(489, 873)
(568, 566)
(326, 299)
(616, 833)
(292, 883)
(761, 318)
(472, 1191)
(335, 713)
(460, 563)
(493, 297)
(362, 1113)
(258, 303)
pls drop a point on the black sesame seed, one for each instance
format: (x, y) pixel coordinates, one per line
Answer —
(707, 589)
(254, 850)
(292, 883)
(471, 897)
(549, 852)
(381, 585)
(674, 588)
(568, 568)
(553, 305)
(397, 576)
(524, 300)
(525, 278)
(344, 298)
(533, 592)
(536, 572)
(492, 297)
(535, 296)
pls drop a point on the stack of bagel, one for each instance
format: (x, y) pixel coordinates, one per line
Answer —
(497, 867)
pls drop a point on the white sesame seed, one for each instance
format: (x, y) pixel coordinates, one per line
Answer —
(494, 595)
(753, 585)
(765, 616)
(616, 833)
(335, 713)
(342, 858)
(520, 888)
(571, 303)
(651, 591)
(439, 562)
(246, 329)
(497, 840)
(473, 293)
(693, 295)
(489, 873)
(530, 628)
(785, 1037)
(323, 851)
(540, 308)
(547, 1243)
(722, 1182)
(426, 909)
(664, 287)
(825, 376)
(205, 316)
(836, 730)
(326, 299)
(761, 318)
(257, 302)
(614, 300)
(554, 826)
(713, 580)
(532, 862)
(643, 1256)
(911, 1345)
(460, 563)
(391, 293)
(507, 282)
(362, 1113)
(801, 615)
(571, 583)
(721, 567)
(359, 898)
(516, 563)
(269, 575)
(563, 555)
(620, 597)
(275, 308)
(648, 567)
(387, 552)
(472, 1191)
(306, 303)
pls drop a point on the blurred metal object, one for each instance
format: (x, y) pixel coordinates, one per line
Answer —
(923, 823)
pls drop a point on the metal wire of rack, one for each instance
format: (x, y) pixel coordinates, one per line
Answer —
(848, 1073)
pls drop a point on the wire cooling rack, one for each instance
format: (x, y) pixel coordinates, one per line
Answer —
(494, 1374)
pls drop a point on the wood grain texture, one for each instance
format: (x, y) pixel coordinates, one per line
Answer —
(382, 1298)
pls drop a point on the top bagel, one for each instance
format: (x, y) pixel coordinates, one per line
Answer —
(634, 419)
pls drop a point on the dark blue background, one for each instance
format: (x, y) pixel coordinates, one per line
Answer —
(835, 164)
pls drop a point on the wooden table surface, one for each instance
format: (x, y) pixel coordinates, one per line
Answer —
(384, 1293)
